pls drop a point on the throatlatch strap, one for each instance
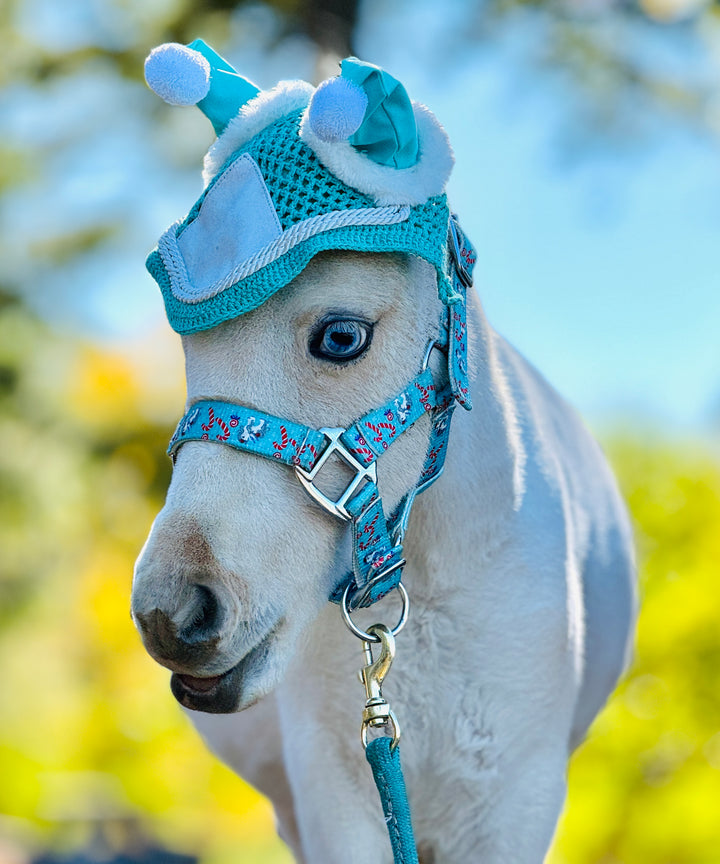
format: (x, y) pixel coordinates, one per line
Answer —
(376, 542)
(385, 764)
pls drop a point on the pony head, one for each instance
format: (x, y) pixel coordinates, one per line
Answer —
(275, 281)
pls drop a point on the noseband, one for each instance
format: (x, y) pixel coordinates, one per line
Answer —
(377, 541)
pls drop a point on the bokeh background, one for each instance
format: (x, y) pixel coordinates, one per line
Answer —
(587, 136)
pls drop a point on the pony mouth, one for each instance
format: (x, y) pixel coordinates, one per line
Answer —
(223, 694)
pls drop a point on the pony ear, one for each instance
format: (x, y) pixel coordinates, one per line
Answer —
(197, 75)
(370, 109)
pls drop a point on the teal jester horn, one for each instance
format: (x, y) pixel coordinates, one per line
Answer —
(371, 110)
(194, 74)
(388, 133)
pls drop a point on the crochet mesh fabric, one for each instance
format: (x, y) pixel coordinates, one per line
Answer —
(301, 187)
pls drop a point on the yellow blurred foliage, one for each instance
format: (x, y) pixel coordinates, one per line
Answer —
(644, 788)
(87, 722)
(103, 388)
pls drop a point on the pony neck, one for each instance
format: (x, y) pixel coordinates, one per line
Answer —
(473, 502)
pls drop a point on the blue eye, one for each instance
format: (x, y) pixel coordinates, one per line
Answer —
(341, 339)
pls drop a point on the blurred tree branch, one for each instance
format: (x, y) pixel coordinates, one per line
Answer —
(597, 44)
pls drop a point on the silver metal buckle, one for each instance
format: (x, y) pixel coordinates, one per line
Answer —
(362, 472)
(433, 345)
(456, 253)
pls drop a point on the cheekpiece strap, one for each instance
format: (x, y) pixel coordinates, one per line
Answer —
(371, 436)
(377, 541)
(463, 258)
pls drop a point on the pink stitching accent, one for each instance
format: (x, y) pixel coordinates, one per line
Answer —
(305, 447)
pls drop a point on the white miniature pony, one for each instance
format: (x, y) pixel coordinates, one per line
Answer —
(519, 559)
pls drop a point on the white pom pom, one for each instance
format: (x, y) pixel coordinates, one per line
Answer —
(178, 74)
(336, 109)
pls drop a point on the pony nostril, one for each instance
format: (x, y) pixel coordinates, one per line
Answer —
(206, 618)
(190, 637)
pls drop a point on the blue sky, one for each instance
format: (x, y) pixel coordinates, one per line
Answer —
(600, 266)
(606, 274)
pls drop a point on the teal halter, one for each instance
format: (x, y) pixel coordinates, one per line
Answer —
(377, 540)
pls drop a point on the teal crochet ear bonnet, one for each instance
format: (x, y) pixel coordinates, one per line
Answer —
(352, 164)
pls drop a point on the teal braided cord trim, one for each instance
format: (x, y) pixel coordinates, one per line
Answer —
(385, 764)
(424, 233)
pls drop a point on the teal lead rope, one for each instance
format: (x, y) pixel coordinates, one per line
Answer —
(383, 753)
(385, 763)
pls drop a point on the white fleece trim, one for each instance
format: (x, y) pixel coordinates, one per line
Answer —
(267, 107)
(383, 183)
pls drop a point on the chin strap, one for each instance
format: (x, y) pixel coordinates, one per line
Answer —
(376, 539)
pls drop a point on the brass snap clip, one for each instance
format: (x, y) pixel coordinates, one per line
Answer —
(377, 712)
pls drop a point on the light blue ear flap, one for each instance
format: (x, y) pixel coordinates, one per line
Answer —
(388, 133)
(197, 75)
